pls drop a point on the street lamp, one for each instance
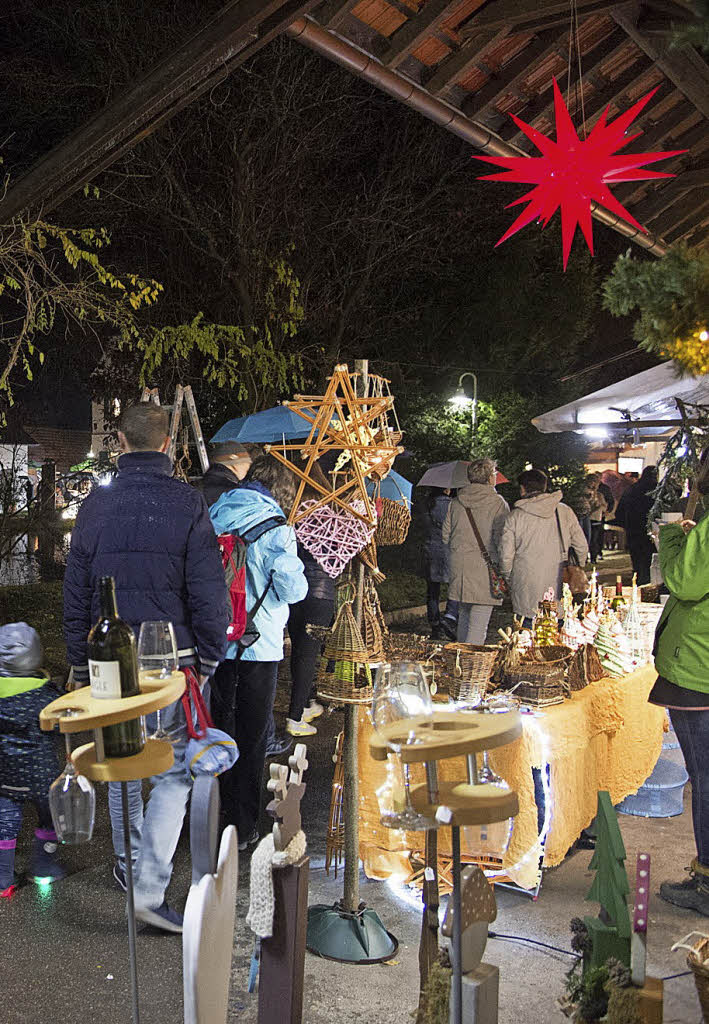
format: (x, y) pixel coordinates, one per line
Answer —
(460, 400)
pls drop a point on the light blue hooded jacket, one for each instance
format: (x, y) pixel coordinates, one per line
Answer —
(273, 556)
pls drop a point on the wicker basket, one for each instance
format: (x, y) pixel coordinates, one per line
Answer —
(540, 676)
(344, 676)
(698, 962)
(393, 522)
(650, 593)
(467, 669)
(409, 647)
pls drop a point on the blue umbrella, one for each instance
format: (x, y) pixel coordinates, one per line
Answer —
(394, 486)
(267, 427)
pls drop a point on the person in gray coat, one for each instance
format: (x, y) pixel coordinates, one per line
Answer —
(535, 541)
(469, 576)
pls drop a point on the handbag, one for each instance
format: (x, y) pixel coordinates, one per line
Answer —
(209, 751)
(573, 575)
(498, 583)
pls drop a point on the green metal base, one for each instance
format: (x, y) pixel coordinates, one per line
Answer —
(355, 938)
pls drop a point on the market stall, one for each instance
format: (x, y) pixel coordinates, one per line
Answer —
(605, 736)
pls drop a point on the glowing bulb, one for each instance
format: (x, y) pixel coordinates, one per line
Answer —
(90, 455)
(704, 335)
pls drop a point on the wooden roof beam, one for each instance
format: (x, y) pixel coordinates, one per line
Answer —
(456, 65)
(519, 15)
(630, 191)
(413, 32)
(541, 104)
(688, 223)
(683, 65)
(333, 13)
(662, 198)
(685, 207)
(598, 101)
(233, 35)
(509, 77)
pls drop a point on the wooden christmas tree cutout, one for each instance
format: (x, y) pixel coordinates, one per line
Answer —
(340, 421)
(610, 931)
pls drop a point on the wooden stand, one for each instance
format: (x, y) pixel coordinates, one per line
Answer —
(80, 712)
(445, 735)
(280, 992)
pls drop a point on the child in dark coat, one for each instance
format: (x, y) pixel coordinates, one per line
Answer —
(28, 759)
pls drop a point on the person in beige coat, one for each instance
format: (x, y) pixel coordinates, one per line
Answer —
(534, 543)
(469, 577)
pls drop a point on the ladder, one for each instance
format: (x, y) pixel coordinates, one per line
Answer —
(183, 403)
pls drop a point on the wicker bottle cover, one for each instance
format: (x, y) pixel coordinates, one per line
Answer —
(375, 628)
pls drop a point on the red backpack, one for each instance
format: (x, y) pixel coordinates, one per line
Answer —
(233, 546)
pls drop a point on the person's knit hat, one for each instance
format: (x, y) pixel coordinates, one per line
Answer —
(20, 650)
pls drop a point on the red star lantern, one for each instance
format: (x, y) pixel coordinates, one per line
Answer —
(573, 173)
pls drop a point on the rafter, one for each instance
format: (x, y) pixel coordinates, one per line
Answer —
(682, 64)
(414, 31)
(523, 14)
(511, 75)
(235, 33)
(685, 207)
(688, 223)
(333, 13)
(456, 66)
(595, 102)
(605, 48)
(629, 193)
(662, 198)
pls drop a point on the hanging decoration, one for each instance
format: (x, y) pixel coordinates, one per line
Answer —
(574, 173)
(355, 427)
(333, 536)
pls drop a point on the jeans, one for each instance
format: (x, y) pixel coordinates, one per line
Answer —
(11, 814)
(585, 523)
(433, 605)
(250, 686)
(473, 620)
(155, 833)
(305, 649)
(692, 728)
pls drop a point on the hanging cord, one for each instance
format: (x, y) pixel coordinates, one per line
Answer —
(574, 41)
(578, 56)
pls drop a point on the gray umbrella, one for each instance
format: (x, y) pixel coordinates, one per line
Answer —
(450, 475)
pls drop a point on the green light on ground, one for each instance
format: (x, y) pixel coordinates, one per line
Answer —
(44, 882)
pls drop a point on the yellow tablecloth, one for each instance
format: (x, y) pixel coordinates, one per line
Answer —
(605, 737)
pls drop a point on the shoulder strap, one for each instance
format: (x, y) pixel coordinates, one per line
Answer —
(483, 549)
(564, 553)
(253, 533)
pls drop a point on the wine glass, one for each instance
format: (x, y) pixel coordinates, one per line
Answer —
(157, 658)
(401, 692)
(72, 803)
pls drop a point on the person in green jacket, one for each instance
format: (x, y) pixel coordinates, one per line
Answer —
(682, 663)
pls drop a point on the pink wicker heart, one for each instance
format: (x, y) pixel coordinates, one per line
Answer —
(332, 535)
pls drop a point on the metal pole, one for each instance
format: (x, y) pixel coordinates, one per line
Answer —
(350, 795)
(132, 951)
(457, 993)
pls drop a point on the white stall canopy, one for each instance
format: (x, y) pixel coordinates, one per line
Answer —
(640, 405)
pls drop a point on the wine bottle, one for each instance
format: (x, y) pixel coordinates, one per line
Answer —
(619, 599)
(113, 670)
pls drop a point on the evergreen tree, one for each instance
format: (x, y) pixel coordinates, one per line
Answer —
(610, 931)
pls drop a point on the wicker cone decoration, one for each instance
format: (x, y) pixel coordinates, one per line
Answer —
(344, 676)
(375, 628)
(333, 536)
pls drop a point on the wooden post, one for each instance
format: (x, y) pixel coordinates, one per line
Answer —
(350, 792)
(280, 991)
(428, 948)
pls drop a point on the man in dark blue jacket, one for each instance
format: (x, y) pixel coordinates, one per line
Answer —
(153, 534)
